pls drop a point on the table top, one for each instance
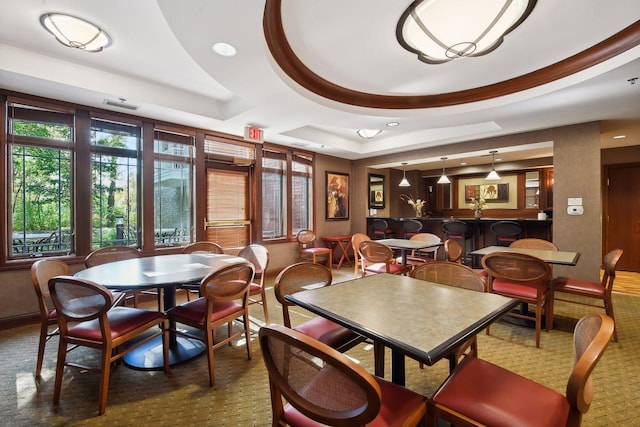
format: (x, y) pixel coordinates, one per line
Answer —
(420, 319)
(408, 243)
(341, 238)
(551, 257)
(156, 271)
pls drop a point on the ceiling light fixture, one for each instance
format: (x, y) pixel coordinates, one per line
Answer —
(393, 124)
(444, 179)
(75, 32)
(493, 174)
(441, 30)
(619, 136)
(224, 49)
(404, 182)
(368, 133)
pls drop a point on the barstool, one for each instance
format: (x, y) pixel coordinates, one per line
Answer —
(380, 229)
(411, 227)
(459, 230)
(506, 232)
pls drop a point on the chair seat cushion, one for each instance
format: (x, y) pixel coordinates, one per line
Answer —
(254, 288)
(497, 397)
(315, 250)
(52, 315)
(398, 404)
(382, 268)
(577, 286)
(326, 331)
(122, 320)
(515, 290)
(193, 312)
(482, 272)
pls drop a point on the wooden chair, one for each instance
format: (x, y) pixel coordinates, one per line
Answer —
(454, 229)
(411, 227)
(459, 276)
(307, 249)
(454, 252)
(299, 277)
(380, 229)
(100, 326)
(218, 306)
(420, 256)
(481, 393)
(41, 271)
(356, 239)
(524, 277)
(376, 259)
(120, 253)
(257, 255)
(324, 387)
(531, 243)
(594, 290)
(202, 247)
(505, 232)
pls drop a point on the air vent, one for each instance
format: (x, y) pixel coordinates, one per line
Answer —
(122, 103)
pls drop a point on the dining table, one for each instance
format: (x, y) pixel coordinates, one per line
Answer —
(549, 256)
(422, 320)
(166, 272)
(405, 245)
(339, 245)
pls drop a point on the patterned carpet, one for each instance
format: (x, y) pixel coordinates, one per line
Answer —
(241, 394)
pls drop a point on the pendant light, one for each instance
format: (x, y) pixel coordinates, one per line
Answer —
(404, 182)
(493, 174)
(444, 179)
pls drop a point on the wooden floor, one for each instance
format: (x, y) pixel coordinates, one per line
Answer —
(627, 283)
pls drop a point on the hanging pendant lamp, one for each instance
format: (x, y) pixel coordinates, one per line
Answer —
(404, 182)
(493, 175)
(444, 179)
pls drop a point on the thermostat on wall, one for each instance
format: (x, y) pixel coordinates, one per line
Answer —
(575, 210)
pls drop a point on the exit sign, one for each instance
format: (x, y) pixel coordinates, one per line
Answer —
(253, 134)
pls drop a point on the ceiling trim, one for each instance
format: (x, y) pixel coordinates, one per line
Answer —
(289, 62)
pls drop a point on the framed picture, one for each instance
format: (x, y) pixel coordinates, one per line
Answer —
(337, 196)
(376, 191)
(488, 192)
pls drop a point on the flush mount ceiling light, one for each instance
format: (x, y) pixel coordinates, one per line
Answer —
(75, 32)
(224, 49)
(404, 182)
(493, 174)
(444, 179)
(368, 133)
(441, 30)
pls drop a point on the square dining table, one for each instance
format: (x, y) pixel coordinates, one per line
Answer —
(412, 317)
(551, 257)
(407, 245)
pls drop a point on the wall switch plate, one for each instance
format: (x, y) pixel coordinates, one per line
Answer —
(575, 210)
(575, 201)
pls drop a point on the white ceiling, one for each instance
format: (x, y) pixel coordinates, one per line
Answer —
(161, 61)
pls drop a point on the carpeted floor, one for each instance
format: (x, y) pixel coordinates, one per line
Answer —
(241, 394)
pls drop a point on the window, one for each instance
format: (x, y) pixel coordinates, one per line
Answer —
(301, 193)
(115, 176)
(173, 187)
(40, 151)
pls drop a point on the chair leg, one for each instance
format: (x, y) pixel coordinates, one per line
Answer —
(104, 379)
(608, 308)
(263, 302)
(538, 324)
(209, 344)
(62, 355)
(247, 335)
(44, 331)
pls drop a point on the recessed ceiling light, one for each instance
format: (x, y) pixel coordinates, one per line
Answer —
(392, 124)
(619, 136)
(224, 49)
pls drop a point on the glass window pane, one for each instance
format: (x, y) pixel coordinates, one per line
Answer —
(274, 198)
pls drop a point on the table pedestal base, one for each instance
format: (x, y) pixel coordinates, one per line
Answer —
(149, 355)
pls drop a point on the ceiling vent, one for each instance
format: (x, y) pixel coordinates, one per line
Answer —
(121, 103)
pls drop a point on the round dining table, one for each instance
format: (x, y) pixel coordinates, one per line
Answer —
(167, 272)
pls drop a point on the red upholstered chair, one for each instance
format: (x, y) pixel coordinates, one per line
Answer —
(324, 387)
(202, 247)
(505, 232)
(454, 229)
(86, 318)
(460, 276)
(308, 250)
(225, 298)
(299, 277)
(257, 255)
(531, 243)
(420, 256)
(594, 290)
(481, 393)
(377, 259)
(524, 277)
(454, 251)
(356, 239)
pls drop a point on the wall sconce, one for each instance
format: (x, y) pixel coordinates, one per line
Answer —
(404, 182)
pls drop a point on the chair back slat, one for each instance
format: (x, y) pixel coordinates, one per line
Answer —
(451, 274)
(79, 300)
(111, 254)
(203, 248)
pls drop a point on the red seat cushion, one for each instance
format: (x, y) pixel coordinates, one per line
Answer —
(193, 312)
(497, 397)
(577, 286)
(398, 403)
(514, 290)
(316, 250)
(382, 268)
(482, 272)
(121, 319)
(326, 331)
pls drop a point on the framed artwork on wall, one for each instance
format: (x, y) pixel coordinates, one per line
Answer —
(376, 191)
(488, 192)
(337, 195)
